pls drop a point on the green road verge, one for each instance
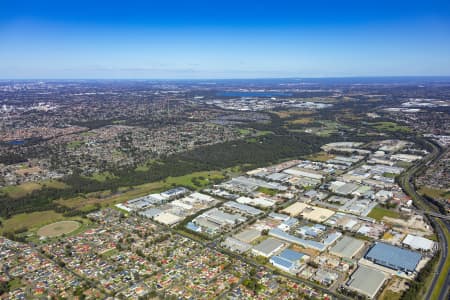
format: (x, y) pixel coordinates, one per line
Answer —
(445, 269)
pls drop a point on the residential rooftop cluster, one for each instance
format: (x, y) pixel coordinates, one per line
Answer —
(35, 274)
(133, 257)
(333, 224)
(96, 129)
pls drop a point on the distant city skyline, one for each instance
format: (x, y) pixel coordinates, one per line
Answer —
(206, 39)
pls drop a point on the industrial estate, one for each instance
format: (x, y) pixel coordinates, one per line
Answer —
(291, 189)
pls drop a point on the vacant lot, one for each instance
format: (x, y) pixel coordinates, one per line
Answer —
(30, 220)
(301, 121)
(18, 191)
(390, 127)
(194, 181)
(378, 213)
(434, 193)
(102, 177)
(320, 156)
(267, 191)
(21, 190)
(25, 170)
(58, 228)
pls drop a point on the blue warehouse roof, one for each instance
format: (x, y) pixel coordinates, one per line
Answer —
(193, 227)
(281, 262)
(394, 257)
(290, 222)
(291, 255)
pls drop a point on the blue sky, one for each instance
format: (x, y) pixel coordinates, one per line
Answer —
(223, 39)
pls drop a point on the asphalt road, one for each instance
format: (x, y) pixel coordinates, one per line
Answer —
(443, 244)
(406, 183)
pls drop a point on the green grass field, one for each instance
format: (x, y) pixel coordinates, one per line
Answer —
(390, 295)
(74, 144)
(102, 176)
(378, 213)
(263, 132)
(301, 121)
(244, 131)
(15, 284)
(434, 193)
(32, 220)
(110, 253)
(87, 133)
(328, 128)
(403, 164)
(58, 228)
(35, 220)
(389, 127)
(142, 168)
(18, 191)
(389, 175)
(21, 190)
(267, 191)
(202, 178)
(320, 156)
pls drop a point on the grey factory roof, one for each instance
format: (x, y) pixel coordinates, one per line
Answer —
(175, 192)
(331, 238)
(278, 216)
(394, 257)
(207, 224)
(346, 188)
(253, 183)
(347, 247)
(248, 235)
(418, 242)
(138, 203)
(150, 213)
(277, 176)
(366, 281)
(268, 246)
(236, 245)
(278, 233)
(242, 207)
(221, 217)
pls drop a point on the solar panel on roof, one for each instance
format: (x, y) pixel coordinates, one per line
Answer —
(282, 262)
(291, 255)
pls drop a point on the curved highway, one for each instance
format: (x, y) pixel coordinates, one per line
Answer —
(441, 226)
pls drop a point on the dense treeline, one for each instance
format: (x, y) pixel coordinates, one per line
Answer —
(10, 158)
(38, 200)
(267, 149)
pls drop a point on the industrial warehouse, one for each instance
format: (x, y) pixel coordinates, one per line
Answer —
(366, 281)
(394, 257)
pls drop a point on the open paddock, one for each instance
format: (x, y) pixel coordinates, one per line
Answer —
(58, 228)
